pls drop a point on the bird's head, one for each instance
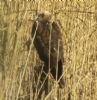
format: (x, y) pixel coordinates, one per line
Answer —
(43, 16)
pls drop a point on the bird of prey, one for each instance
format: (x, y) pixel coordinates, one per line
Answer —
(49, 45)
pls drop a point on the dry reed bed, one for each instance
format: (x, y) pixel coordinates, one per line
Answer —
(78, 21)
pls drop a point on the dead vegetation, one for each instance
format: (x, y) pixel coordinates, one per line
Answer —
(78, 21)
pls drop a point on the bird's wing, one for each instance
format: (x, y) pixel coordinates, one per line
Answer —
(39, 45)
(58, 38)
(33, 28)
(56, 35)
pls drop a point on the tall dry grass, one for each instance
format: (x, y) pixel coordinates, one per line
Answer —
(78, 22)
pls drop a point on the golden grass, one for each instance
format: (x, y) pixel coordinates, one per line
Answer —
(78, 21)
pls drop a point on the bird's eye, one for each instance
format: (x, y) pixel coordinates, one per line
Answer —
(42, 15)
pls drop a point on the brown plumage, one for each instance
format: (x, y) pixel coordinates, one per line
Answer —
(41, 42)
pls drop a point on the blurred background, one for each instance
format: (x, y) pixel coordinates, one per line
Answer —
(78, 23)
